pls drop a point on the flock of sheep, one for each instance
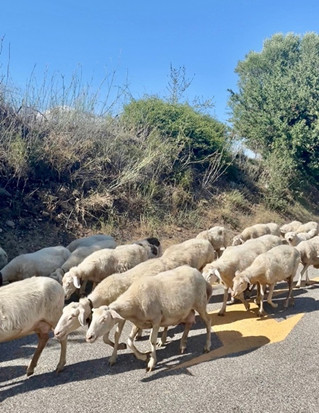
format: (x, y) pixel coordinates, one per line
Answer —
(150, 288)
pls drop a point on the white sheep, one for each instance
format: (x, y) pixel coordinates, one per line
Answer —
(237, 258)
(33, 305)
(278, 264)
(310, 226)
(3, 258)
(290, 227)
(92, 239)
(108, 290)
(102, 263)
(256, 231)
(309, 253)
(166, 299)
(216, 236)
(79, 254)
(39, 263)
(294, 238)
(194, 252)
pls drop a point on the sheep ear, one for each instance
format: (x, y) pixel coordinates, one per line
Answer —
(76, 281)
(81, 317)
(115, 315)
(217, 273)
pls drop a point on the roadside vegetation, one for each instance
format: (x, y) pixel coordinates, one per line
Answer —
(164, 163)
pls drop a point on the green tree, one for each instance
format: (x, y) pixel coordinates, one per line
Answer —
(199, 136)
(276, 107)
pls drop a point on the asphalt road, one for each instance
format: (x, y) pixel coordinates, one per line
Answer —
(256, 365)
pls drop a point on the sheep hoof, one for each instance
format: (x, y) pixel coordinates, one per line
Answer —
(111, 363)
(221, 314)
(150, 366)
(122, 346)
(59, 369)
(273, 304)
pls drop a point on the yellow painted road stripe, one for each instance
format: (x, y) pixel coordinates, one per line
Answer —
(240, 330)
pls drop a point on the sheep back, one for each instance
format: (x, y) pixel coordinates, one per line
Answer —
(194, 252)
(272, 266)
(168, 297)
(290, 227)
(237, 258)
(107, 241)
(39, 263)
(25, 303)
(216, 236)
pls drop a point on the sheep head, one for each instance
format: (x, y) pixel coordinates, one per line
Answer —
(68, 321)
(103, 320)
(291, 238)
(237, 240)
(68, 284)
(211, 274)
(240, 283)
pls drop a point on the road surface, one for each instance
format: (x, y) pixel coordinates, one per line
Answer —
(255, 365)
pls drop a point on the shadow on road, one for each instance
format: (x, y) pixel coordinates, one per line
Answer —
(226, 343)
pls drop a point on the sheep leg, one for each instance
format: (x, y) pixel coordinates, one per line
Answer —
(153, 339)
(107, 340)
(304, 270)
(139, 334)
(289, 296)
(261, 304)
(257, 299)
(242, 299)
(307, 278)
(163, 338)
(208, 322)
(189, 321)
(117, 335)
(130, 343)
(223, 309)
(62, 360)
(269, 298)
(42, 332)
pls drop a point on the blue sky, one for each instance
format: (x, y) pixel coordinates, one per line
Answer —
(139, 40)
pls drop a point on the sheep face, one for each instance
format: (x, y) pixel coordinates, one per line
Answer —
(237, 240)
(211, 274)
(153, 246)
(68, 285)
(103, 320)
(240, 283)
(68, 321)
(291, 238)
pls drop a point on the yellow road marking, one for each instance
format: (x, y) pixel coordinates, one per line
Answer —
(248, 332)
(240, 330)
